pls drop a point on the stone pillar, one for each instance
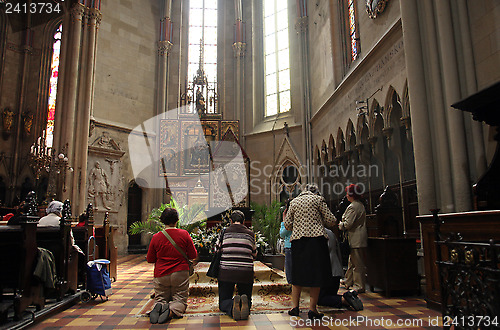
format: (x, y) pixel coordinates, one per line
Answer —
(94, 19)
(239, 48)
(456, 129)
(164, 47)
(442, 164)
(70, 89)
(27, 49)
(421, 131)
(471, 84)
(301, 26)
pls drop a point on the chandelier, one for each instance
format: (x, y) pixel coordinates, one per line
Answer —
(40, 156)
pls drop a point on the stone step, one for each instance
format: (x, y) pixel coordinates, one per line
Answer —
(266, 280)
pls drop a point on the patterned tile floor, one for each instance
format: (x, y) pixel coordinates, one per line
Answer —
(132, 289)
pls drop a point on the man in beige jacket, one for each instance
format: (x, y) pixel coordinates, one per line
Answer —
(354, 221)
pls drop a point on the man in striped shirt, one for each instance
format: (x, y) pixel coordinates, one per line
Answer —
(236, 268)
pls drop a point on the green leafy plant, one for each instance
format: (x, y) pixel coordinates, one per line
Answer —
(266, 220)
(190, 218)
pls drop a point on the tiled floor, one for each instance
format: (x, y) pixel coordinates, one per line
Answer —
(132, 289)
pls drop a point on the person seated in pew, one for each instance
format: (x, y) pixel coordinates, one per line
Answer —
(14, 220)
(53, 219)
(328, 294)
(7, 217)
(82, 219)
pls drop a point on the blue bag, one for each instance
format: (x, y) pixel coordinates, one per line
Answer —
(98, 280)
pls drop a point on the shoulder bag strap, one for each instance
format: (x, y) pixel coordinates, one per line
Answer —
(221, 238)
(175, 245)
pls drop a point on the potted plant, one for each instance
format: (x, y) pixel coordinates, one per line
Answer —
(267, 220)
(190, 218)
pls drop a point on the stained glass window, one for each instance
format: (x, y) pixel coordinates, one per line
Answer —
(203, 29)
(276, 57)
(54, 74)
(352, 30)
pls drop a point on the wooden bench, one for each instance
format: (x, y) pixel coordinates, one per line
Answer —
(474, 226)
(106, 248)
(18, 256)
(58, 241)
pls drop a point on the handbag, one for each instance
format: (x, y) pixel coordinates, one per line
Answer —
(190, 263)
(213, 270)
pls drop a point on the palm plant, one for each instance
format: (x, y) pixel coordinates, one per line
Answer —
(190, 218)
(266, 219)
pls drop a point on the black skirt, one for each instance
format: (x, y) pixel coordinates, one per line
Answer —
(311, 262)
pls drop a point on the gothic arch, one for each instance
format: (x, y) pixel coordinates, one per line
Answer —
(287, 156)
(392, 103)
(340, 143)
(317, 156)
(324, 153)
(375, 117)
(331, 148)
(350, 136)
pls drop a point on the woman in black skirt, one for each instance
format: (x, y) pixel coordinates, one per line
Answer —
(307, 217)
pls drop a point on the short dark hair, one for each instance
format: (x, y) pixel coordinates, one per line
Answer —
(237, 216)
(169, 216)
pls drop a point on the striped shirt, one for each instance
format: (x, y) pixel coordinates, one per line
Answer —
(238, 247)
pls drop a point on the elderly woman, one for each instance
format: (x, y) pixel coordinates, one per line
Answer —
(307, 217)
(53, 217)
(171, 273)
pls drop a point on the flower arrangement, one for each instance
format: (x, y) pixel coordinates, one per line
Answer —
(205, 240)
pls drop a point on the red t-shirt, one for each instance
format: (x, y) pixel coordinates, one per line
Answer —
(165, 256)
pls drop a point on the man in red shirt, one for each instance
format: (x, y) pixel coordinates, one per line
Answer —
(171, 274)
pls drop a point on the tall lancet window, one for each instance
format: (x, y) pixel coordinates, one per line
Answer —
(54, 74)
(202, 57)
(277, 57)
(353, 35)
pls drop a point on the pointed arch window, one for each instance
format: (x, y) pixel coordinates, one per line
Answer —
(54, 75)
(202, 52)
(276, 57)
(353, 34)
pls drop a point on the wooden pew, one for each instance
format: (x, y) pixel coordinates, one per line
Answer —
(18, 256)
(477, 226)
(82, 234)
(106, 248)
(58, 241)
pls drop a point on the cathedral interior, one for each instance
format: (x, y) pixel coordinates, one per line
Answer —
(126, 104)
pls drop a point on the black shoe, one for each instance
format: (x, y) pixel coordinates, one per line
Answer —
(237, 308)
(245, 307)
(351, 297)
(155, 313)
(313, 315)
(165, 315)
(294, 311)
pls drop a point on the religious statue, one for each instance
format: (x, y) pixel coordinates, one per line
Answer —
(8, 120)
(28, 122)
(99, 185)
(199, 152)
(200, 101)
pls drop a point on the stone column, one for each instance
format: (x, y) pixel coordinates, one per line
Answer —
(164, 47)
(301, 26)
(421, 131)
(239, 48)
(27, 50)
(71, 88)
(456, 129)
(438, 116)
(94, 19)
(471, 84)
